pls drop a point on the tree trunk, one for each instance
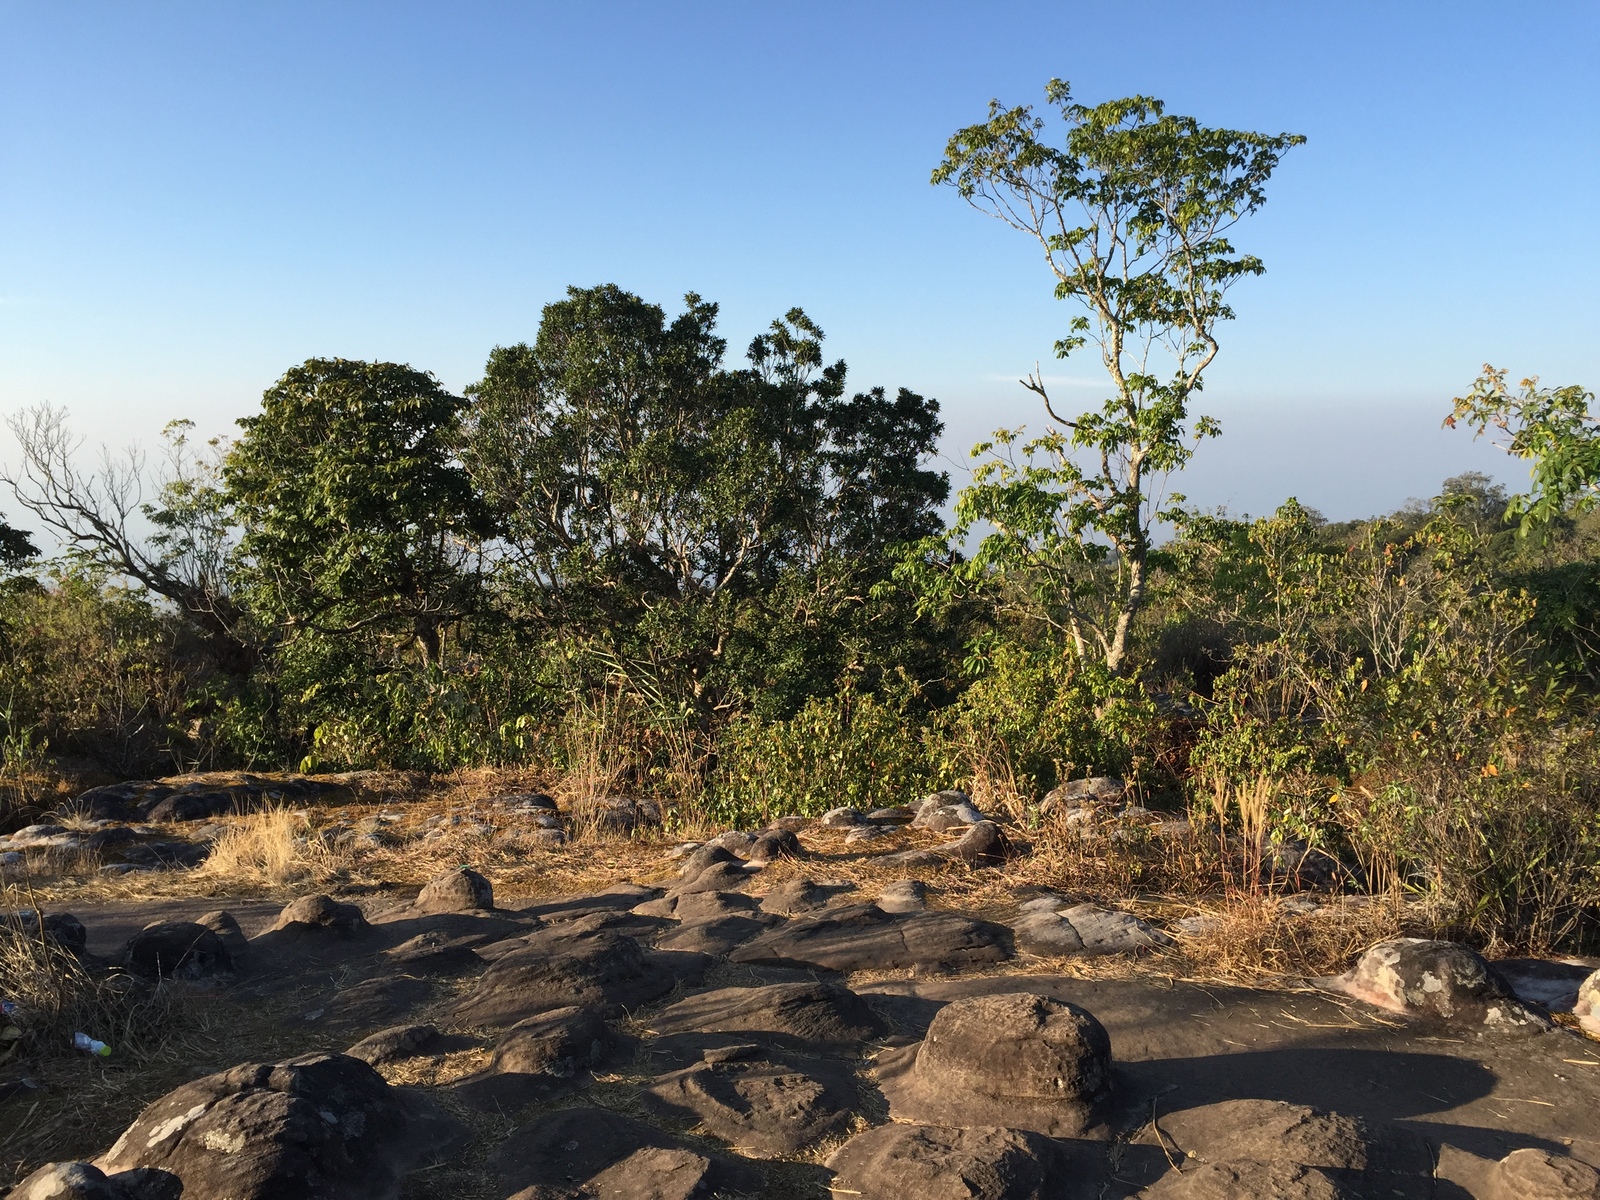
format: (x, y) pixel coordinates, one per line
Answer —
(1117, 654)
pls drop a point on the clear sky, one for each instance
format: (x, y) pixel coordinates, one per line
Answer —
(194, 197)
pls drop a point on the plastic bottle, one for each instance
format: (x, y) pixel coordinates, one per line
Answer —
(82, 1041)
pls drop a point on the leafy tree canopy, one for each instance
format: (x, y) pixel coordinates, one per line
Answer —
(357, 514)
(653, 500)
(1550, 427)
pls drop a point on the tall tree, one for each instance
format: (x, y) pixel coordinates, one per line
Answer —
(652, 500)
(1132, 209)
(357, 513)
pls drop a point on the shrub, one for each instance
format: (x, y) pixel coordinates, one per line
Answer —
(849, 749)
(1035, 716)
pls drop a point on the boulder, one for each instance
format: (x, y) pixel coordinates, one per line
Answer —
(693, 908)
(984, 844)
(895, 815)
(200, 805)
(703, 858)
(653, 1173)
(593, 1152)
(940, 799)
(536, 1057)
(324, 1126)
(735, 841)
(559, 1043)
(1199, 925)
(772, 844)
(605, 971)
(1439, 981)
(904, 896)
(1587, 1006)
(1082, 793)
(1551, 984)
(227, 929)
(821, 1013)
(437, 952)
(103, 840)
(843, 818)
(718, 877)
(115, 801)
(85, 1181)
(1046, 934)
(1248, 1180)
(1535, 1175)
(764, 1108)
(711, 935)
(396, 1044)
(63, 929)
(801, 896)
(942, 817)
(177, 950)
(1015, 1060)
(530, 801)
(858, 937)
(898, 1162)
(461, 890)
(320, 914)
(1082, 928)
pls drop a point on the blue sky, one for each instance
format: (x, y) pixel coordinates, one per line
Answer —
(194, 197)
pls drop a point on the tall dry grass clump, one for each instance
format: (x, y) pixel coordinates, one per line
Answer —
(53, 995)
(1255, 937)
(270, 849)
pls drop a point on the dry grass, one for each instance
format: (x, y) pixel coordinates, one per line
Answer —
(55, 997)
(271, 849)
(1257, 940)
(70, 1097)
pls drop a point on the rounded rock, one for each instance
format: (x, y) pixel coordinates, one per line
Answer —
(321, 913)
(1015, 1060)
(1434, 980)
(1535, 1175)
(843, 818)
(177, 950)
(461, 890)
(1587, 1006)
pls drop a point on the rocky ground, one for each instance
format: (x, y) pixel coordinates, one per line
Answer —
(886, 1005)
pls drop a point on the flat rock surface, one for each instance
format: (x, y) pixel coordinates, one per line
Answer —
(758, 1106)
(860, 937)
(1281, 1093)
(823, 1013)
(573, 1146)
(1184, 1045)
(941, 1163)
